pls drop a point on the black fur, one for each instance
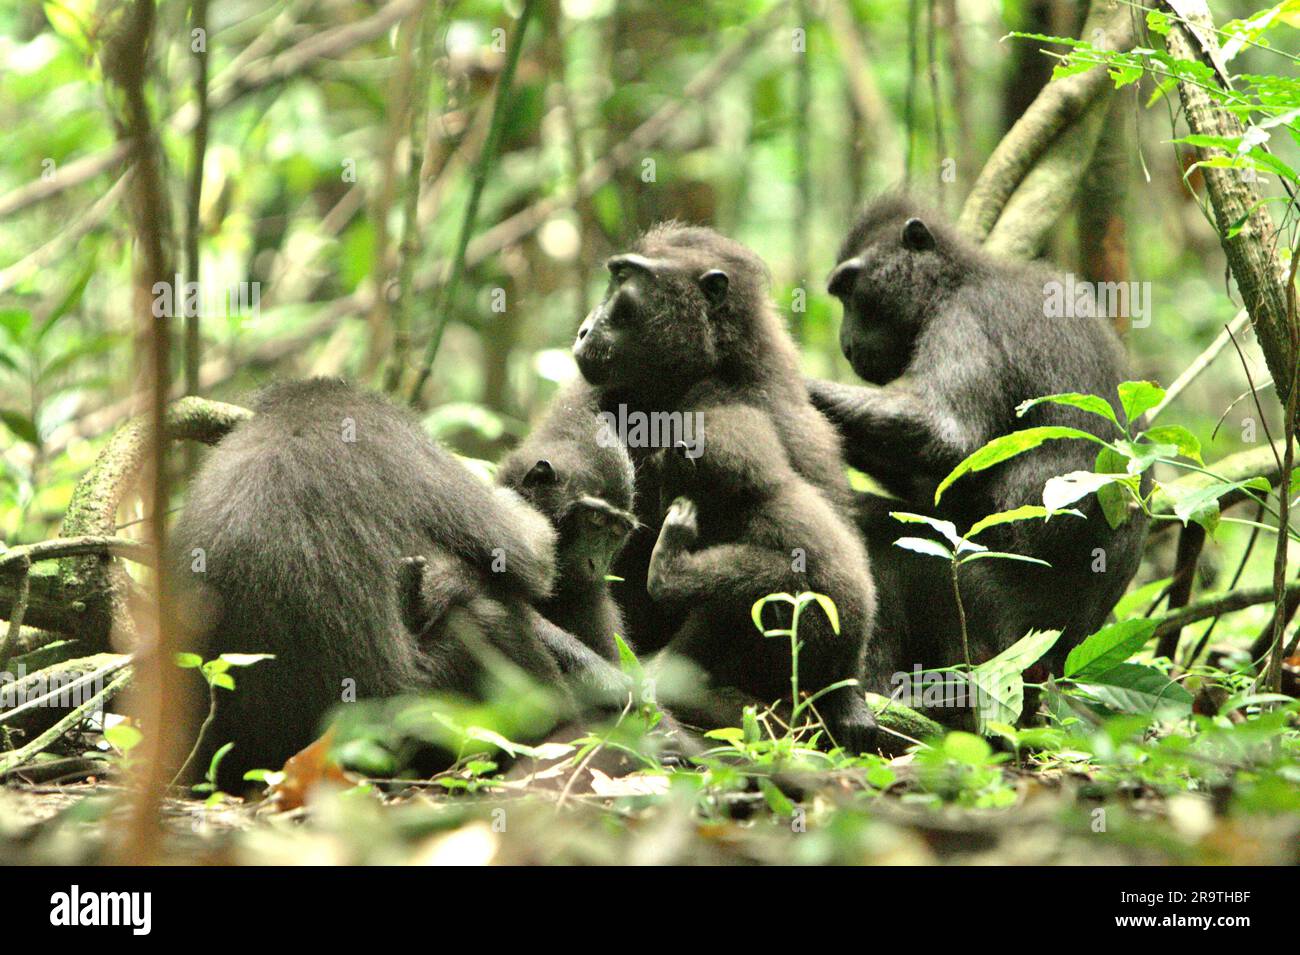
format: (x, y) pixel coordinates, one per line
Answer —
(657, 344)
(741, 525)
(584, 486)
(955, 340)
(686, 327)
(302, 532)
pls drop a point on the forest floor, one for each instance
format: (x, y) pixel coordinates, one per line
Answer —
(880, 812)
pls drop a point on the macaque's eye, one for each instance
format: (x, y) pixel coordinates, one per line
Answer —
(619, 271)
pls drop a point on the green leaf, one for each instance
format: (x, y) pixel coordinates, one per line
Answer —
(123, 736)
(966, 748)
(1025, 512)
(1108, 647)
(776, 800)
(1139, 397)
(829, 608)
(923, 545)
(1005, 556)
(1142, 456)
(1069, 67)
(68, 302)
(1060, 492)
(727, 734)
(756, 611)
(189, 661)
(1137, 601)
(947, 528)
(1132, 688)
(1000, 688)
(1008, 446)
(1188, 445)
(627, 661)
(214, 764)
(1113, 500)
(16, 322)
(1125, 75)
(22, 426)
(1025, 652)
(1243, 700)
(1089, 403)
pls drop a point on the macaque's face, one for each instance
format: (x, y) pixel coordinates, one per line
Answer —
(878, 287)
(653, 327)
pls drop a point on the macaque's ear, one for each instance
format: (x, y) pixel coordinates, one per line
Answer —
(540, 473)
(842, 280)
(714, 283)
(917, 236)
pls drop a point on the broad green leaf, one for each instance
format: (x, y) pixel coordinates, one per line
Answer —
(1112, 498)
(1090, 403)
(1132, 688)
(1108, 647)
(923, 545)
(1201, 504)
(1025, 652)
(1008, 446)
(1000, 688)
(1070, 67)
(1060, 492)
(189, 661)
(946, 528)
(1142, 456)
(1188, 445)
(1139, 397)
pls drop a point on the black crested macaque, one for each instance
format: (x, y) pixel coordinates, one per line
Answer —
(686, 323)
(743, 524)
(686, 330)
(291, 543)
(583, 483)
(954, 340)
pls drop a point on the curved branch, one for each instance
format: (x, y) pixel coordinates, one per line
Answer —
(1109, 25)
(1217, 605)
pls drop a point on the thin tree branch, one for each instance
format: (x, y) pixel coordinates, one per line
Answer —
(1056, 108)
(447, 294)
